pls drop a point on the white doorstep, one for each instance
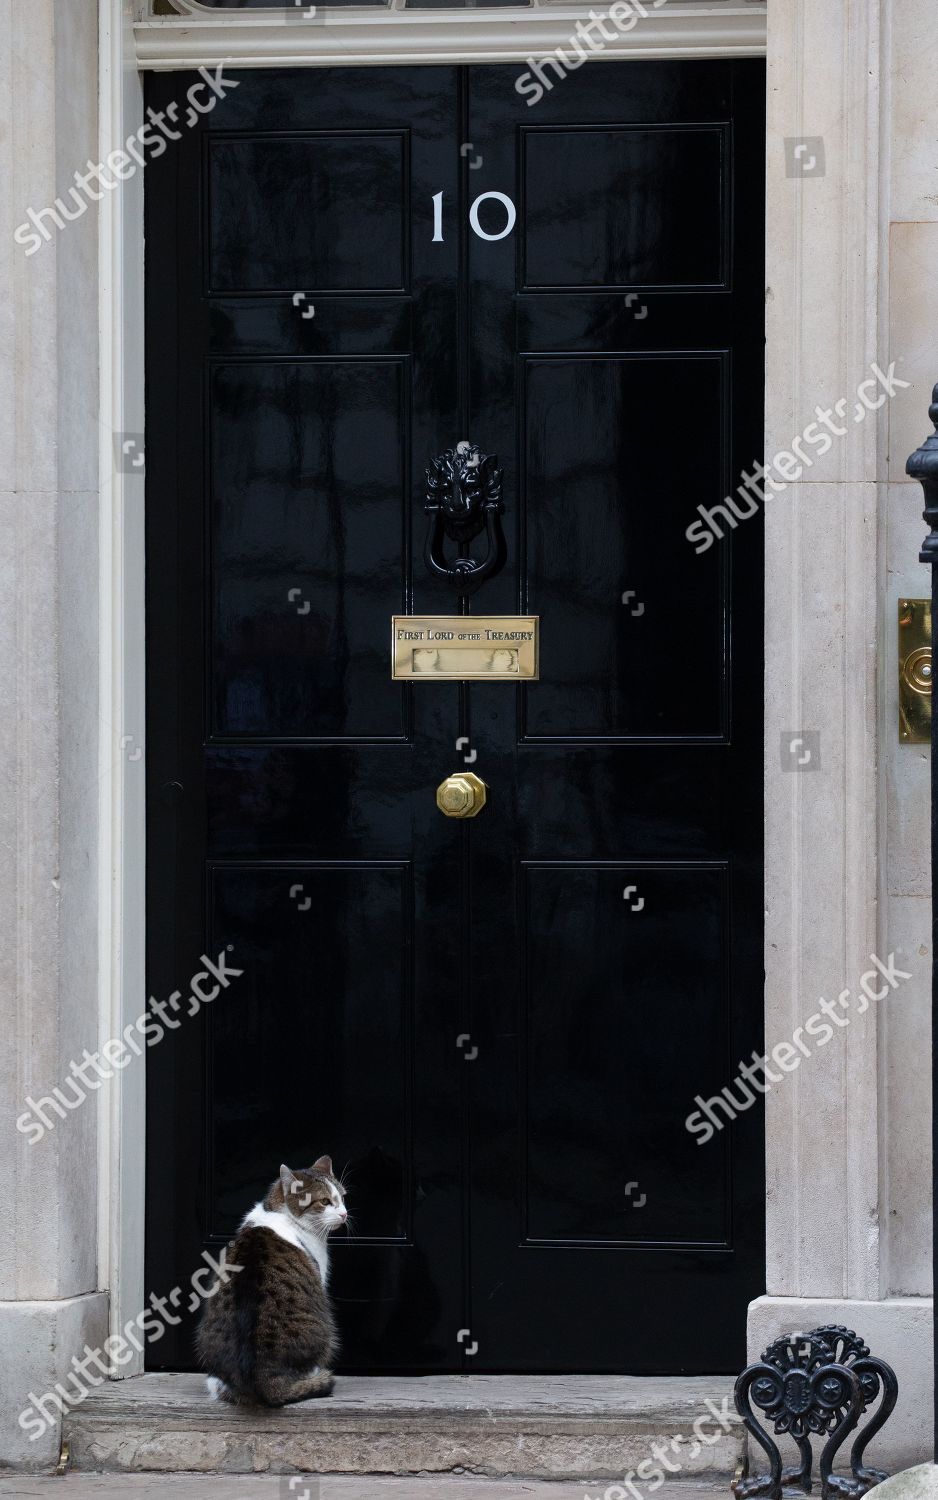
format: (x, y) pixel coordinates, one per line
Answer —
(572, 1427)
(330, 1487)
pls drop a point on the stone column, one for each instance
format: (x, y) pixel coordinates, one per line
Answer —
(825, 644)
(49, 772)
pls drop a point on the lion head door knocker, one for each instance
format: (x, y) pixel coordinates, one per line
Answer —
(464, 498)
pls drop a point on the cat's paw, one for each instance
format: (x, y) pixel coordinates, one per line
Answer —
(217, 1389)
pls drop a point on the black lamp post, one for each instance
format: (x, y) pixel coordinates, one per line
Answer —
(923, 466)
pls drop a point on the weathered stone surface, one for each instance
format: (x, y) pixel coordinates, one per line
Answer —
(50, 1302)
(37, 1343)
(547, 1427)
(324, 1487)
(920, 1483)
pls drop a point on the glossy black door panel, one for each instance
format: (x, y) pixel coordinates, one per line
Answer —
(306, 933)
(605, 561)
(626, 850)
(310, 510)
(499, 1025)
(593, 1036)
(352, 233)
(302, 363)
(620, 228)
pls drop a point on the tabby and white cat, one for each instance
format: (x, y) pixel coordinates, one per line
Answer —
(268, 1335)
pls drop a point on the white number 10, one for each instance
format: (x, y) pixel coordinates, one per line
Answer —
(511, 216)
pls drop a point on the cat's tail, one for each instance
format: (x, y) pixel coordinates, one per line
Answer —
(282, 1390)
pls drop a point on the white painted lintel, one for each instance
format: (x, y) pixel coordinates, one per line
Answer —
(387, 37)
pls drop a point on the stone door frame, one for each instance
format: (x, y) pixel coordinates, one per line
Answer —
(823, 325)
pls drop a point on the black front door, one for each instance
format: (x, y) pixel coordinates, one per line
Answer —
(498, 1026)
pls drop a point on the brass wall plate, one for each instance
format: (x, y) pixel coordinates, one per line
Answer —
(464, 648)
(915, 671)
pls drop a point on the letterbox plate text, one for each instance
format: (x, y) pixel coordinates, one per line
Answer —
(464, 648)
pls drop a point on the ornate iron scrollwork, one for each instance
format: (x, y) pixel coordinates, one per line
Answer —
(464, 498)
(819, 1382)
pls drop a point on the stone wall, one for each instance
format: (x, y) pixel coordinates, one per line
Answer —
(851, 255)
(49, 774)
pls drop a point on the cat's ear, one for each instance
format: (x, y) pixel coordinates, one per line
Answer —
(324, 1164)
(287, 1179)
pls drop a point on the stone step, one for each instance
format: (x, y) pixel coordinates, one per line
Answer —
(549, 1427)
(321, 1487)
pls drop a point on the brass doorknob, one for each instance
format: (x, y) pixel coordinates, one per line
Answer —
(461, 795)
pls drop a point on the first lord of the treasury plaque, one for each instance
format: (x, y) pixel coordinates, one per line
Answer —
(464, 648)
